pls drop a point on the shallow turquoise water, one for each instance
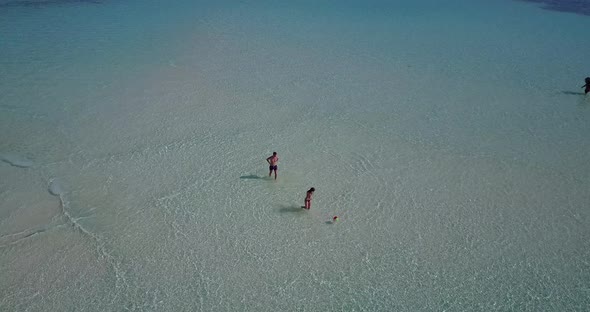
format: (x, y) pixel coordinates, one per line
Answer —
(450, 139)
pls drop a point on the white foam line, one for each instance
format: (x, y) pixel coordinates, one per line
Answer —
(56, 190)
(24, 235)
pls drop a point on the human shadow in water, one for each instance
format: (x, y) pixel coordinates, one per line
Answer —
(572, 93)
(252, 177)
(290, 208)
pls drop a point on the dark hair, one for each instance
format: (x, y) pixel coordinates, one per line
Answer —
(274, 153)
(587, 80)
(312, 189)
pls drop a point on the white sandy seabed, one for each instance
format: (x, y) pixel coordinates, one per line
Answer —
(451, 141)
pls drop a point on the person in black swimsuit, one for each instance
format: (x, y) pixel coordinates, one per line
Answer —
(587, 85)
(308, 197)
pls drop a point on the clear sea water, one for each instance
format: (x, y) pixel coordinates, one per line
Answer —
(451, 138)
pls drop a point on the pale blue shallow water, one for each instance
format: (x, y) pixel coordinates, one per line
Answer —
(450, 138)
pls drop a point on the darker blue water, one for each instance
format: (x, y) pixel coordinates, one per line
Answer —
(571, 6)
(37, 3)
(581, 7)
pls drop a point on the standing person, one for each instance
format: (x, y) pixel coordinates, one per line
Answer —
(587, 85)
(308, 198)
(272, 162)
